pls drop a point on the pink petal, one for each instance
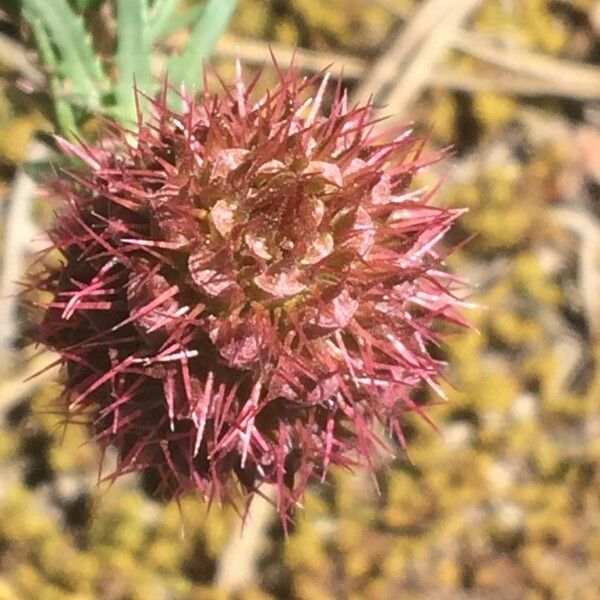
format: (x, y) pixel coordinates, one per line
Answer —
(280, 285)
(329, 171)
(381, 192)
(227, 161)
(222, 214)
(365, 238)
(338, 312)
(321, 247)
(205, 274)
(258, 245)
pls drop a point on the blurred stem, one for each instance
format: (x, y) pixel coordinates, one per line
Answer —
(14, 56)
(17, 233)
(65, 117)
(38, 371)
(237, 568)
(400, 74)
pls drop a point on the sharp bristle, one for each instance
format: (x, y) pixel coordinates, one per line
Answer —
(247, 287)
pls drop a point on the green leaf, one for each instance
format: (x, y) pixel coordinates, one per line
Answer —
(180, 19)
(62, 108)
(87, 4)
(211, 23)
(43, 170)
(39, 170)
(160, 18)
(76, 61)
(133, 55)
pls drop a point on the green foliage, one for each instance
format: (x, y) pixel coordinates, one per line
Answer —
(86, 4)
(161, 15)
(78, 82)
(66, 49)
(212, 22)
(76, 61)
(164, 18)
(133, 55)
(63, 109)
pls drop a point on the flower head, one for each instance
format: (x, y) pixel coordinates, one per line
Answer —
(248, 287)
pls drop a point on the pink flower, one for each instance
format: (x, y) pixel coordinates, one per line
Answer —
(248, 287)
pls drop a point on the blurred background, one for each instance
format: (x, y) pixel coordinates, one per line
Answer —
(505, 504)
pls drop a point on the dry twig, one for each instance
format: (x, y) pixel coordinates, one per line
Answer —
(14, 56)
(566, 74)
(256, 52)
(17, 234)
(587, 230)
(556, 73)
(237, 566)
(507, 83)
(402, 72)
(25, 382)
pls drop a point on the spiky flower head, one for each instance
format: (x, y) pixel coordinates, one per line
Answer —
(248, 288)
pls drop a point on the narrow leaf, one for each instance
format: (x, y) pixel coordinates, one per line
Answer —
(160, 18)
(133, 55)
(76, 60)
(87, 4)
(179, 20)
(65, 118)
(212, 22)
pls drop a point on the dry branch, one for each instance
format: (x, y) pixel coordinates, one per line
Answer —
(568, 85)
(39, 370)
(17, 234)
(237, 566)
(564, 73)
(257, 52)
(587, 229)
(510, 84)
(14, 56)
(402, 72)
